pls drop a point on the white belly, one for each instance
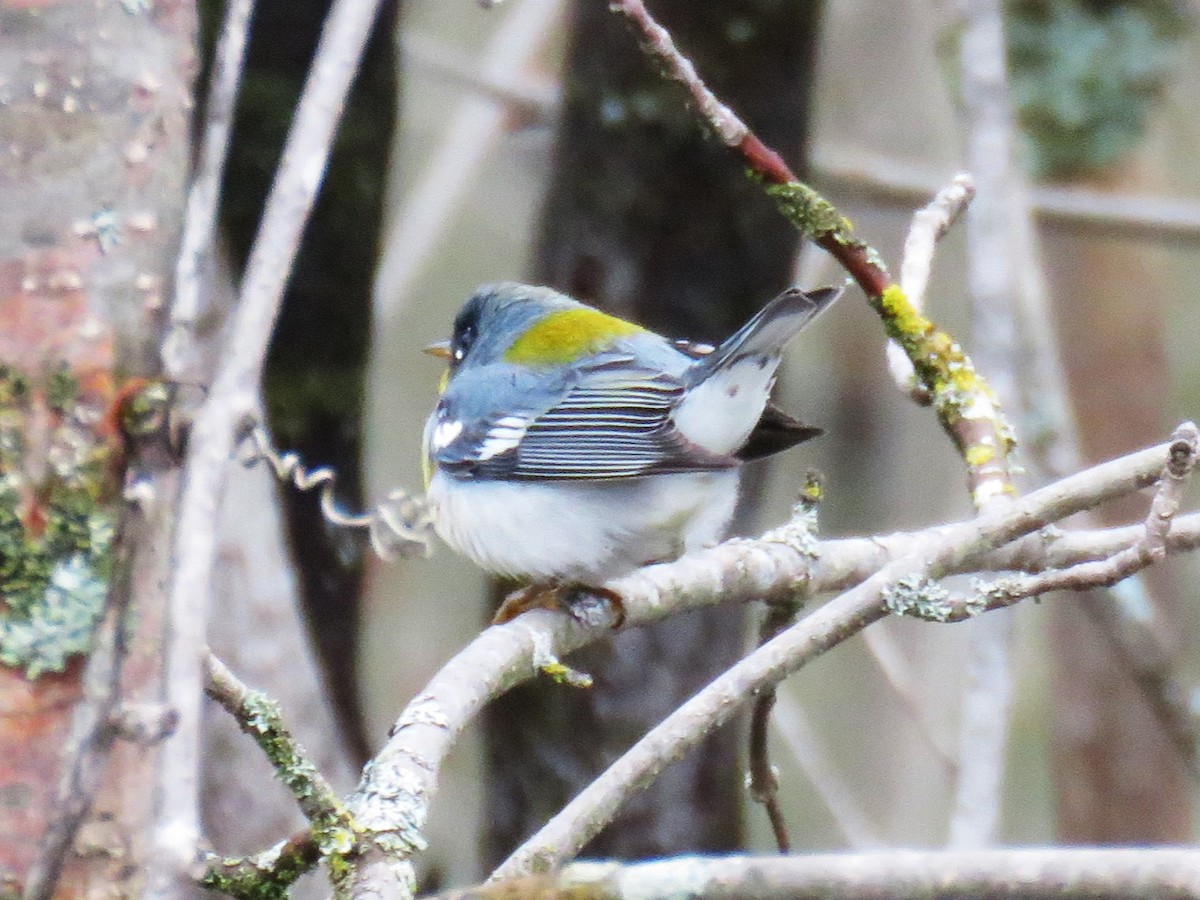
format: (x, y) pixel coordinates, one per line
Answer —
(581, 531)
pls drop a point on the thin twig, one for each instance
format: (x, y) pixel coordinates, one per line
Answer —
(1086, 873)
(234, 396)
(333, 832)
(259, 717)
(764, 780)
(265, 874)
(200, 214)
(800, 738)
(891, 180)
(1149, 549)
(781, 614)
(884, 178)
(929, 225)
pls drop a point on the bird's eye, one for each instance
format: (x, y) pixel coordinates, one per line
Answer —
(462, 342)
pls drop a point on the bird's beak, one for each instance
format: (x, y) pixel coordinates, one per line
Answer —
(440, 349)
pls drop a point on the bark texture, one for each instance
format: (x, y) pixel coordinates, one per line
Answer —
(1118, 777)
(95, 104)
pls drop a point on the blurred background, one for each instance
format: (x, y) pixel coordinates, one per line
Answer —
(533, 141)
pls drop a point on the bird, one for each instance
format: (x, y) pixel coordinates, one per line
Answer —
(569, 447)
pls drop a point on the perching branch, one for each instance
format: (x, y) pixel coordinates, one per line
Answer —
(397, 786)
(906, 582)
(392, 800)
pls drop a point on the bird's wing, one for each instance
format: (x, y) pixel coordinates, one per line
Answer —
(614, 422)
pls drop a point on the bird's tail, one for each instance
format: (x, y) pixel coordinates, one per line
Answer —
(769, 331)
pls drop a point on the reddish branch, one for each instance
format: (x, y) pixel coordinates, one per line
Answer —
(966, 406)
(764, 162)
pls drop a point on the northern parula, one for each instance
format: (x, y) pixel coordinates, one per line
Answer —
(572, 446)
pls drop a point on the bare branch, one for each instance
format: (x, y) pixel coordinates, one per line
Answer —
(781, 614)
(929, 225)
(886, 179)
(233, 396)
(828, 626)
(1062, 874)
(1149, 549)
(200, 215)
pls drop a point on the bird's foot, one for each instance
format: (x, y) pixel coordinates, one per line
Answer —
(588, 605)
(535, 596)
(595, 606)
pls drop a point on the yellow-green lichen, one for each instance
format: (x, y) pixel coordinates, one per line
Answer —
(980, 454)
(942, 367)
(61, 389)
(144, 411)
(903, 320)
(561, 673)
(270, 879)
(57, 522)
(811, 213)
(332, 827)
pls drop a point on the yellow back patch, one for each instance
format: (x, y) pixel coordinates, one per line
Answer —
(566, 335)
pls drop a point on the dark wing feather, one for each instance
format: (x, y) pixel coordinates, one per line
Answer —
(775, 432)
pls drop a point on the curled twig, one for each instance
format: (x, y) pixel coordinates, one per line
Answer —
(401, 525)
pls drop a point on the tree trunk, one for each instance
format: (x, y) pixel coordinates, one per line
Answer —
(1118, 778)
(95, 108)
(651, 219)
